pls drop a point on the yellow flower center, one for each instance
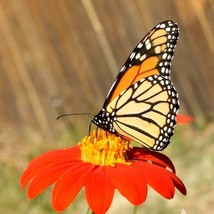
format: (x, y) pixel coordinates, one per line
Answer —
(104, 148)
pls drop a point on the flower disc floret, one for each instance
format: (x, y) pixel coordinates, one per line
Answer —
(104, 149)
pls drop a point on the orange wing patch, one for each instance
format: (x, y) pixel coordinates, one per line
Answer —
(147, 68)
(136, 73)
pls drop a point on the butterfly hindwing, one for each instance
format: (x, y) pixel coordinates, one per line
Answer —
(146, 112)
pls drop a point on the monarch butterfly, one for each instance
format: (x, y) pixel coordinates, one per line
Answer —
(142, 102)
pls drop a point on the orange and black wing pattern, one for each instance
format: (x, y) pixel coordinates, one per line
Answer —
(142, 103)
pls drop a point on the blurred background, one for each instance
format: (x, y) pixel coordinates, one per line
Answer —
(61, 57)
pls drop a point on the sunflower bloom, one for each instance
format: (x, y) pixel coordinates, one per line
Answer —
(101, 162)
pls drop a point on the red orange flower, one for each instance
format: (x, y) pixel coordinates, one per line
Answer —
(101, 164)
(184, 119)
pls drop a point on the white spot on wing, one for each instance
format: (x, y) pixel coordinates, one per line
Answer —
(148, 46)
(143, 57)
(132, 55)
(164, 56)
(137, 56)
(162, 25)
(140, 45)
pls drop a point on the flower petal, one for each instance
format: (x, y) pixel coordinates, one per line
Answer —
(158, 178)
(178, 183)
(99, 190)
(46, 177)
(137, 153)
(47, 159)
(184, 119)
(129, 182)
(69, 184)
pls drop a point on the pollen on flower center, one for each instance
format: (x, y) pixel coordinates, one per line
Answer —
(104, 149)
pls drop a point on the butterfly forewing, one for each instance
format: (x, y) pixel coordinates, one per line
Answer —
(142, 103)
(151, 56)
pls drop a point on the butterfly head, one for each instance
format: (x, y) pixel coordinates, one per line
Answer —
(104, 120)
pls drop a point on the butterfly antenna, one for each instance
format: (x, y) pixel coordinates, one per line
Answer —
(65, 115)
(89, 129)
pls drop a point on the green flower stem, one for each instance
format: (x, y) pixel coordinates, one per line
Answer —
(134, 210)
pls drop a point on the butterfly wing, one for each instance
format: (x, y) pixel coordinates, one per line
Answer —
(142, 103)
(146, 112)
(152, 55)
